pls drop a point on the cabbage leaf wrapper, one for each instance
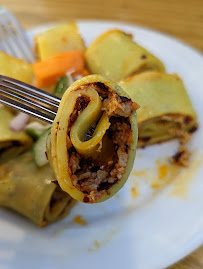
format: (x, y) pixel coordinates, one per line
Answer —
(93, 139)
(116, 56)
(166, 111)
(31, 191)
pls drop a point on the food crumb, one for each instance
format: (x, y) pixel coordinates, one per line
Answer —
(163, 170)
(43, 224)
(79, 220)
(106, 239)
(96, 244)
(134, 192)
(155, 186)
(181, 185)
(139, 173)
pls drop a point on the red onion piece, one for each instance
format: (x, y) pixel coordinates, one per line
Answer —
(19, 122)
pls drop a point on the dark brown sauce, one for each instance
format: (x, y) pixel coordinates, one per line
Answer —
(13, 144)
(145, 139)
(124, 99)
(102, 89)
(80, 104)
(86, 199)
(143, 56)
(187, 120)
(193, 129)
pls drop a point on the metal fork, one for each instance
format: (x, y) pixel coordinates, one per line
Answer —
(28, 99)
(12, 37)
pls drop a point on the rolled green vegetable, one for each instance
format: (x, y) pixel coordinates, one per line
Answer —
(166, 111)
(11, 143)
(32, 192)
(116, 56)
(93, 139)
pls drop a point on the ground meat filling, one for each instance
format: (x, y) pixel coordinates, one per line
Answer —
(95, 177)
(116, 105)
(182, 157)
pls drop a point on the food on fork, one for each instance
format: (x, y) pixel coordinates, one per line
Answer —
(32, 191)
(116, 56)
(166, 111)
(62, 38)
(93, 139)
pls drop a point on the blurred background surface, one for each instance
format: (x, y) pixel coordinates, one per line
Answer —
(182, 19)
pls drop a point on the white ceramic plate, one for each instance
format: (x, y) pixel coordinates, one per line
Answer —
(141, 227)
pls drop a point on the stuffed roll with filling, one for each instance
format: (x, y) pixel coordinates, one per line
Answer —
(116, 56)
(93, 139)
(166, 111)
(31, 191)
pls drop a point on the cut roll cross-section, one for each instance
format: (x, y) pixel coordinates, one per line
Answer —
(93, 139)
(31, 191)
(166, 111)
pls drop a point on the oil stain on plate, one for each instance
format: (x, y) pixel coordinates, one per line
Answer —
(182, 183)
(164, 173)
(97, 244)
(79, 220)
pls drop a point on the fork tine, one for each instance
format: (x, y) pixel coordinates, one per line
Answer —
(3, 47)
(28, 99)
(26, 109)
(12, 40)
(32, 96)
(22, 39)
(6, 47)
(23, 99)
(30, 91)
(20, 47)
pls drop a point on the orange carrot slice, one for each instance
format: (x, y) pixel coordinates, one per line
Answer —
(48, 71)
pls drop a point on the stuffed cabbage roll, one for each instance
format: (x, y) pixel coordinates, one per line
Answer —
(116, 56)
(166, 111)
(31, 191)
(93, 139)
